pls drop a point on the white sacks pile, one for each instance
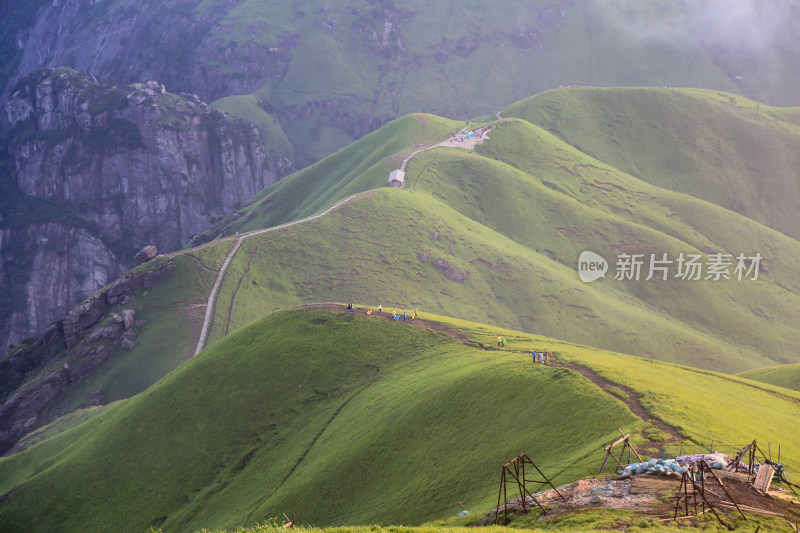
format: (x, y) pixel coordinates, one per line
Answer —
(660, 467)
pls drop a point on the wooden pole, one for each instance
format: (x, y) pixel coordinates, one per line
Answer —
(500, 494)
(505, 502)
(603, 468)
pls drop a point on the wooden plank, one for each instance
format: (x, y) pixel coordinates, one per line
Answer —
(748, 508)
(741, 476)
(764, 477)
(782, 494)
(652, 484)
(624, 438)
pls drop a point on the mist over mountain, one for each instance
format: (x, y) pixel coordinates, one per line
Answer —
(753, 41)
(750, 26)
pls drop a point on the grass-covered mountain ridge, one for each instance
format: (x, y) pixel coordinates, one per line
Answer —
(490, 235)
(614, 171)
(338, 417)
(494, 234)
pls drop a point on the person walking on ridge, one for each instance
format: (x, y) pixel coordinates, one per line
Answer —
(380, 309)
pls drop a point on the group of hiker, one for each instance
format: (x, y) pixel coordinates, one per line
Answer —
(395, 315)
(537, 357)
(541, 357)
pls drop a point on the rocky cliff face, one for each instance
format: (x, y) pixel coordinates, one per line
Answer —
(119, 168)
(151, 167)
(133, 41)
(69, 351)
(65, 264)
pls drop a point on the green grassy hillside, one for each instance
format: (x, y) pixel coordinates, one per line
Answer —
(787, 376)
(345, 419)
(726, 149)
(362, 166)
(554, 200)
(247, 108)
(384, 249)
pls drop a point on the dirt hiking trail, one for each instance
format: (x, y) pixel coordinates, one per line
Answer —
(631, 400)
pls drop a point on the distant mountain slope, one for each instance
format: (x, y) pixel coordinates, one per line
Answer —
(787, 376)
(330, 72)
(356, 419)
(736, 153)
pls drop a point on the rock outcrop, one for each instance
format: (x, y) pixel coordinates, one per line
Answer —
(79, 344)
(118, 168)
(127, 42)
(47, 267)
(145, 254)
(150, 167)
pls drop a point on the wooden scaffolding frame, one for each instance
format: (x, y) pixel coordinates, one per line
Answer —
(754, 454)
(693, 487)
(626, 446)
(515, 471)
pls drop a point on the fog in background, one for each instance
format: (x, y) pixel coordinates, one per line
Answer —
(747, 25)
(754, 42)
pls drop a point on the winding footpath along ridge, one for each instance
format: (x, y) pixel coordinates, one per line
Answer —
(221, 275)
(631, 399)
(213, 296)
